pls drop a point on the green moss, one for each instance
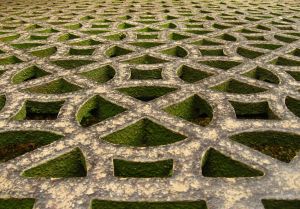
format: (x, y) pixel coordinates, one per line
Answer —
(88, 42)
(68, 165)
(245, 30)
(177, 37)
(16, 143)
(169, 17)
(35, 37)
(285, 62)
(207, 42)
(194, 26)
(137, 74)
(2, 101)
(191, 75)
(67, 37)
(255, 38)
(294, 74)
(123, 168)
(144, 133)
(147, 30)
(146, 93)
(103, 204)
(125, 26)
(237, 87)
(14, 203)
(293, 105)
(147, 36)
(146, 44)
(10, 60)
(296, 52)
(100, 75)
(255, 110)
(116, 37)
(212, 52)
(70, 64)
(116, 51)
(145, 59)
(168, 25)
(73, 26)
(215, 164)
(74, 51)
(59, 86)
(95, 110)
(247, 53)
(280, 204)
(193, 109)
(227, 37)
(33, 110)
(100, 26)
(176, 51)
(27, 74)
(221, 64)
(220, 26)
(48, 30)
(262, 75)
(10, 38)
(94, 32)
(285, 39)
(26, 45)
(280, 145)
(45, 52)
(267, 46)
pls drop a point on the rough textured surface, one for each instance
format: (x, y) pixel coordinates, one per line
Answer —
(222, 51)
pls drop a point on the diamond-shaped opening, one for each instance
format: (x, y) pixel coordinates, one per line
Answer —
(193, 109)
(147, 36)
(26, 45)
(216, 164)
(221, 64)
(95, 110)
(68, 165)
(237, 87)
(177, 36)
(191, 75)
(280, 145)
(144, 133)
(169, 25)
(44, 52)
(147, 30)
(17, 203)
(27, 74)
(266, 46)
(262, 75)
(67, 37)
(2, 101)
(70, 64)
(253, 110)
(125, 26)
(282, 61)
(227, 37)
(105, 204)
(212, 52)
(74, 51)
(293, 105)
(16, 143)
(58, 86)
(207, 42)
(88, 42)
(146, 93)
(145, 60)
(100, 75)
(146, 44)
(247, 53)
(176, 51)
(280, 204)
(115, 37)
(33, 110)
(285, 39)
(132, 169)
(294, 74)
(10, 60)
(137, 74)
(116, 51)
(296, 52)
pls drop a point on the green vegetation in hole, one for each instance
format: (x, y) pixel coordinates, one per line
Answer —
(221, 64)
(193, 109)
(137, 74)
(67, 37)
(71, 164)
(147, 30)
(125, 26)
(125, 17)
(146, 60)
(59, 86)
(294, 34)
(176, 51)
(282, 61)
(177, 37)
(191, 75)
(294, 74)
(207, 42)
(14, 203)
(169, 17)
(33, 26)
(116, 51)
(73, 26)
(116, 37)
(244, 30)
(100, 26)
(44, 52)
(146, 44)
(2, 101)
(10, 60)
(266, 46)
(74, 51)
(88, 42)
(27, 74)
(199, 32)
(147, 36)
(87, 18)
(255, 38)
(220, 26)
(254, 110)
(16, 143)
(285, 39)
(169, 25)
(247, 53)
(146, 93)
(280, 204)
(95, 110)
(280, 145)
(194, 26)
(100, 75)
(262, 27)
(70, 64)
(48, 30)
(35, 37)
(293, 105)
(33, 110)
(296, 52)
(94, 32)
(123, 168)
(26, 45)
(104, 204)
(215, 164)
(10, 38)
(237, 87)
(227, 37)
(2, 52)
(212, 52)
(262, 75)
(144, 133)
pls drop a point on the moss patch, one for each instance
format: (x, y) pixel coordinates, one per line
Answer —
(262, 75)
(146, 60)
(206, 42)
(176, 51)
(221, 64)
(193, 109)
(144, 133)
(191, 75)
(2, 101)
(74, 51)
(100, 75)
(282, 61)
(27, 74)
(16, 143)
(146, 44)
(10, 38)
(123, 168)
(10, 60)
(14, 203)
(116, 37)
(70, 64)
(26, 45)
(44, 52)
(215, 164)
(294, 74)
(177, 37)
(267, 46)
(137, 74)
(212, 52)
(146, 93)
(280, 204)
(95, 110)
(293, 105)
(227, 37)
(147, 36)
(88, 42)
(280, 145)
(68, 165)
(247, 53)
(125, 26)
(285, 39)
(116, 51)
